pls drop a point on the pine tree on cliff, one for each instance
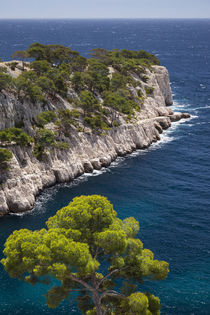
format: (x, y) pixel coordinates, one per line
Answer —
(91, 252)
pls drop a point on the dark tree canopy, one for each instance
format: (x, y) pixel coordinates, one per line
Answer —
(54, 54)
(92, 252)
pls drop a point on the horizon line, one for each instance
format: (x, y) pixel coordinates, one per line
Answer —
(107, 18)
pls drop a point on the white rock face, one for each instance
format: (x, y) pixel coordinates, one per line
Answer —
(28, 177)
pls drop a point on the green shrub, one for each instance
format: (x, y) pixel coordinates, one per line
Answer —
(98, 66)
(67, 119)
(77, 81)
(45, 118)
(46, 84)
(54, 54)
(38, 151)
(144, 79)
(68, 114)
(115, 123)
(88, 80)
(5, 157)
(117, 82)
(139, 93)
(88, 102)
(40, 66)
(65, 70)
(35, 94)
(114, 100)
(34, 84)
(62, 145)
(99, 75)
(142, 54)
(60, 85)
(27, 82)
(141, 99)
(5, 81)
(128, 65)
(45, 137)
(149, 90)
(15, 135)
(79, 64)
(96, 122)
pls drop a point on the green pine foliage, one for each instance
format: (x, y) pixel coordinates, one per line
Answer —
(102, 84)
(45, 118)
(67, 119)
(16, 135)
(46, 139)
(5, 158)
(88, 249)
(6, 81)
(149, 90)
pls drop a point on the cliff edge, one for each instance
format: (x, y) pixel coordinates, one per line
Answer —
(87, 148)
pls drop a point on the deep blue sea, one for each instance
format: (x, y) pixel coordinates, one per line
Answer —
(167, 187)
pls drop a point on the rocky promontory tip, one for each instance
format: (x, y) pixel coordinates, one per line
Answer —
(178, 116)
(99, 109)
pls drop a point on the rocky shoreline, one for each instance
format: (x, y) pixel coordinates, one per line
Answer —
(88, 151)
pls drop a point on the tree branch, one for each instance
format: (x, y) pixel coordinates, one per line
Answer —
(86, 285)
(111, 293)
(96, 253)
(108, 275)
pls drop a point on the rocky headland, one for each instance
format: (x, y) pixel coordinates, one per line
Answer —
(88, 149)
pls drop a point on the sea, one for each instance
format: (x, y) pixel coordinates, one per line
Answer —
(166, 187)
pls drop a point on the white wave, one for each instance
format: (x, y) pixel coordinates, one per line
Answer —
(165, 138)
(167, 135)
(180, 105)
(21, 214)
(202, 86)
(43, 198)
(14, 45)
(87, 174)
(135, 153)
(116, 162)
(203, 123)
(202, 107)
(177, 105)
(99, 172)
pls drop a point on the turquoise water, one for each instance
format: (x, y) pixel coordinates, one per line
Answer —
(166, 187)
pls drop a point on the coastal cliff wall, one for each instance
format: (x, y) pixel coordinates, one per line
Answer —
(27, 176)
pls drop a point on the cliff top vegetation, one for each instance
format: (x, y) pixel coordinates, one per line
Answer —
(101, 91)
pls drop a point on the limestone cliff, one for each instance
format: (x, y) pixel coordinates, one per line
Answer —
(27, 176)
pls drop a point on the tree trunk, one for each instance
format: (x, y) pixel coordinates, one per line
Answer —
(97, 302)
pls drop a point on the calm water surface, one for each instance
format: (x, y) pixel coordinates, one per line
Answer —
(167, 188)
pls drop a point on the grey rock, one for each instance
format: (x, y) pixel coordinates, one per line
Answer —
(88, 151)
(88, 168)
(96, 164)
